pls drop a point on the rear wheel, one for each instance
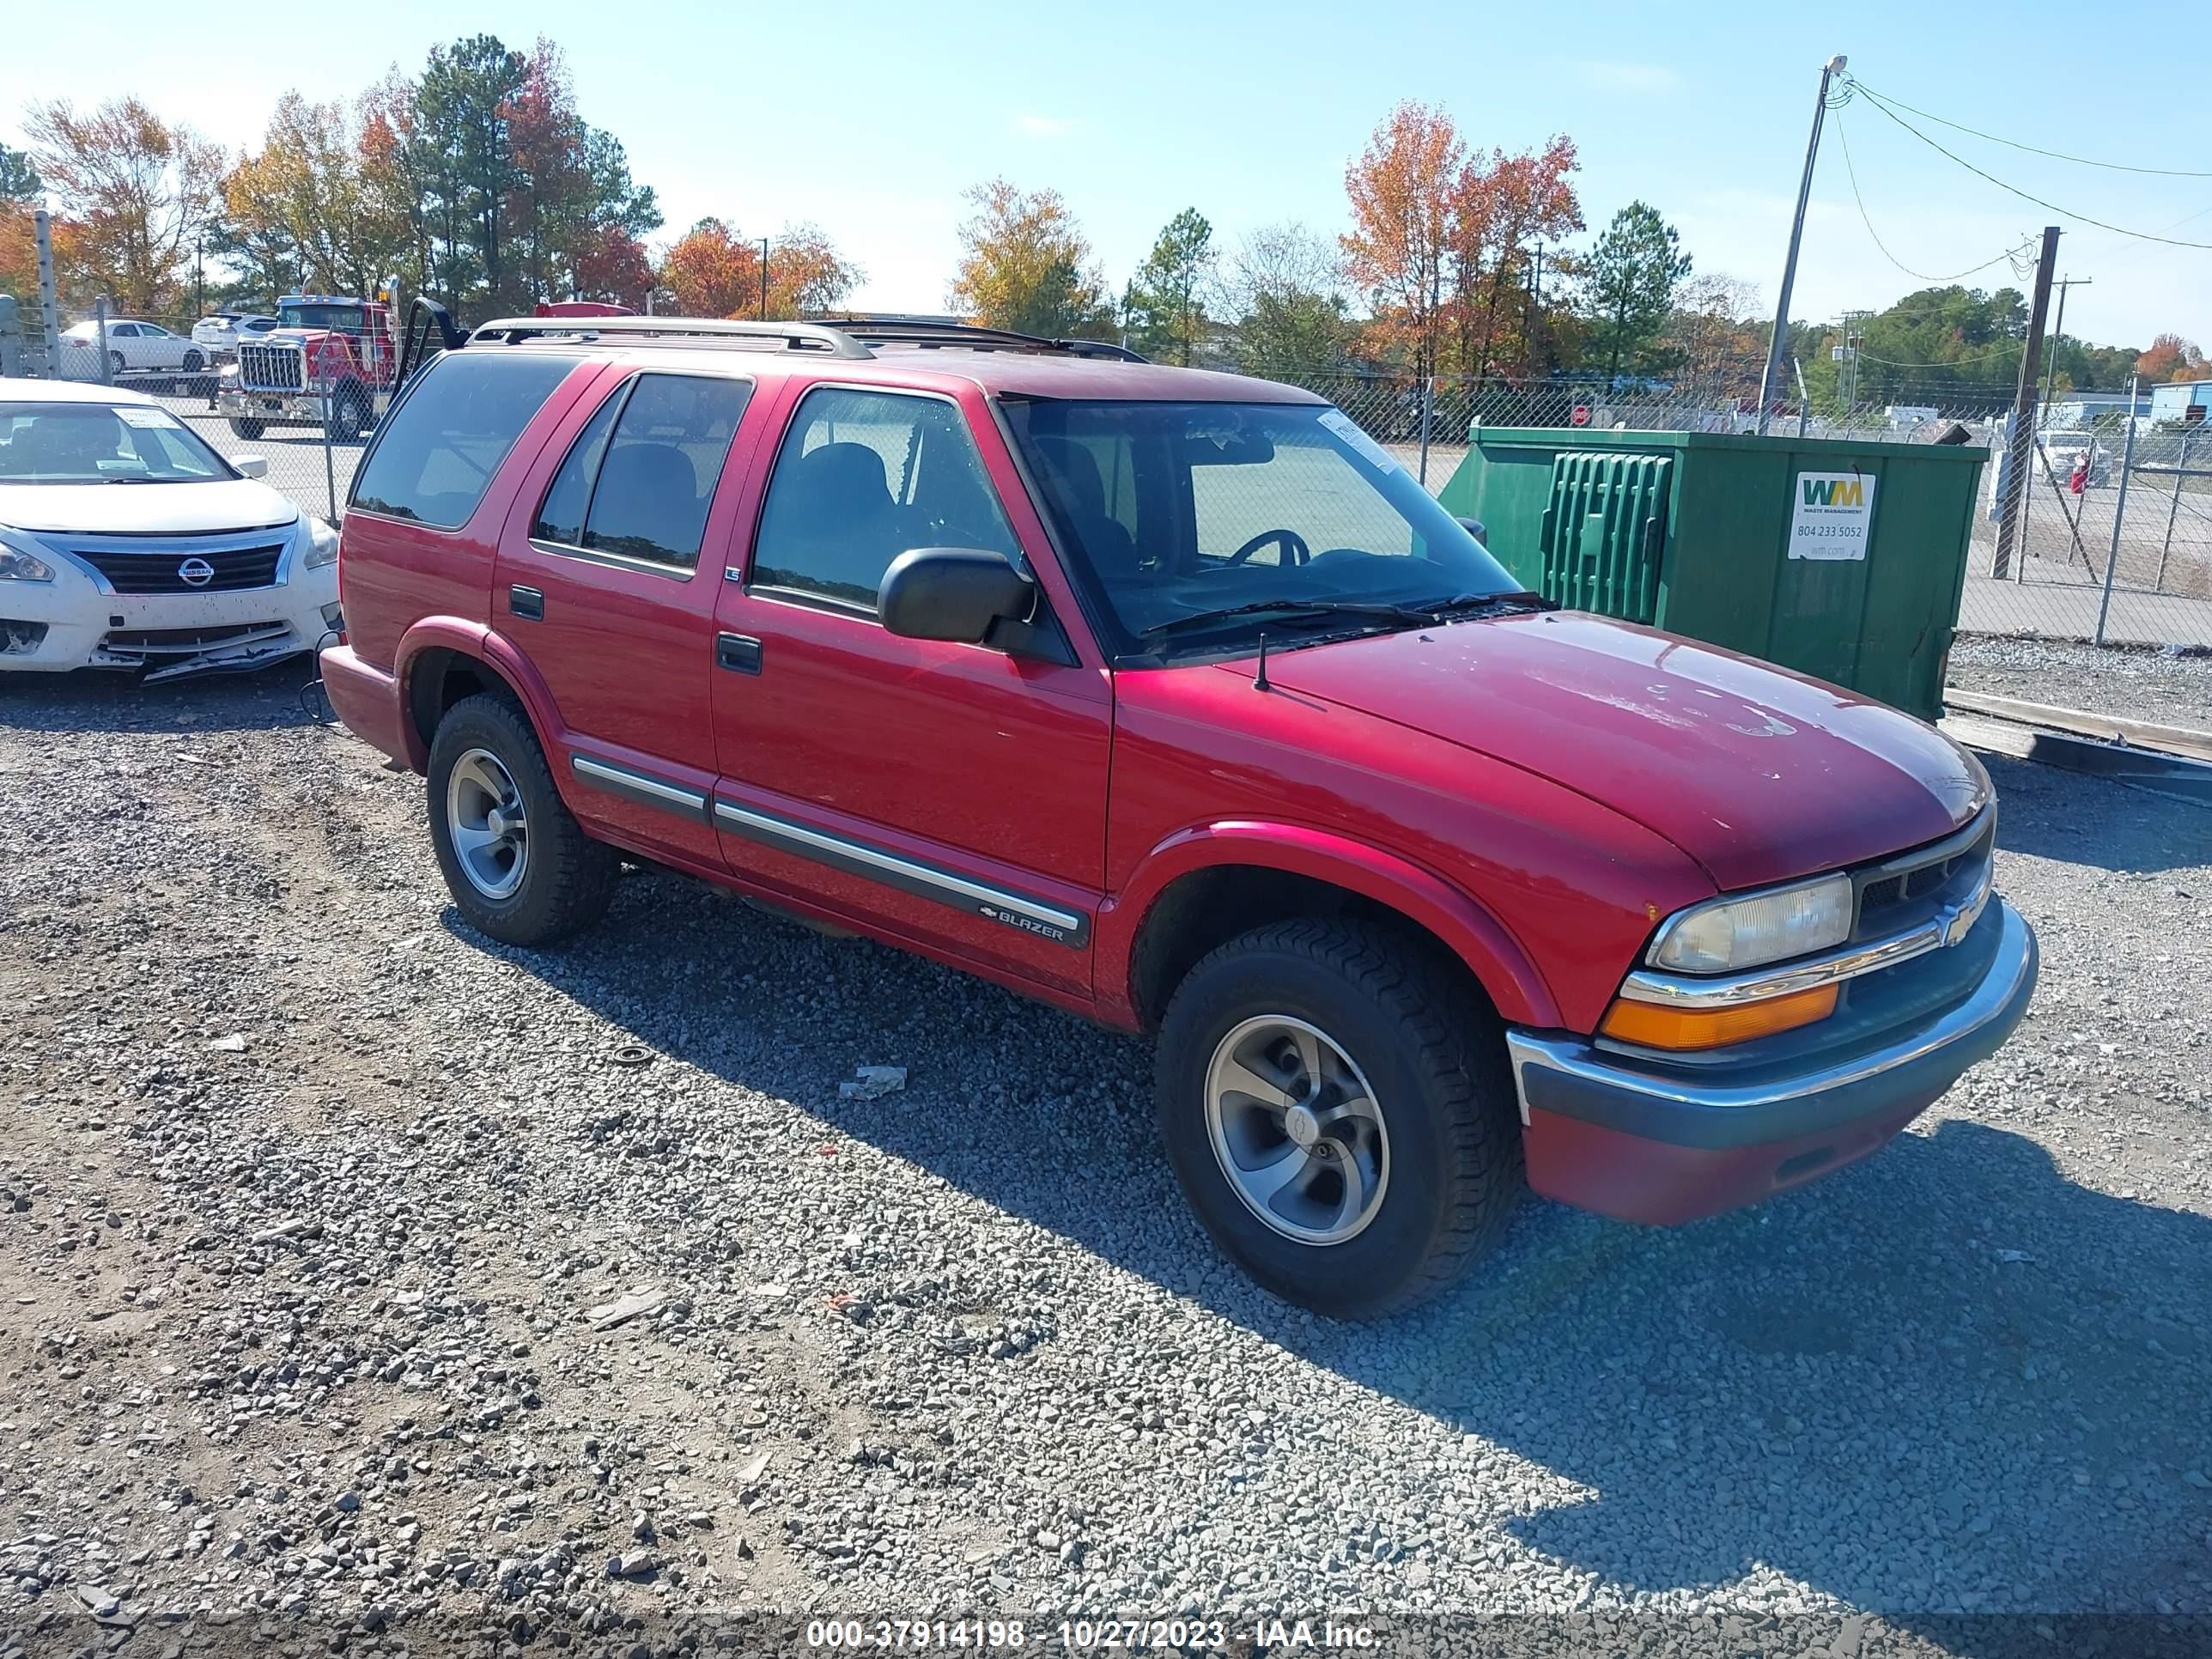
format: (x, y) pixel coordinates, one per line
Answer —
(517, 864)
(115, 362)
(1337, 1106)
(249, 430)
(194, 362)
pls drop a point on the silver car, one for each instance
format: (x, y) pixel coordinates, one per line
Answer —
(223, 332)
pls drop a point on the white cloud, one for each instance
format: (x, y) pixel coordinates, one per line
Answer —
(1043, 126)
(1642, 78)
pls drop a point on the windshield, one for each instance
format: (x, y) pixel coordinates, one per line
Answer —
(347, 319)
(102, 443)
(1178, 510)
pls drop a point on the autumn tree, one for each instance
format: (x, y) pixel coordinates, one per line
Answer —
(1402, 190)
(1025, 265)
(715, 272)
(571, 198)
(1286, 290)
(2171, 357)
(1166, 299)
(310, 205)
(144, 191)
(1629, 283)
(709, 271)
(1502, 208)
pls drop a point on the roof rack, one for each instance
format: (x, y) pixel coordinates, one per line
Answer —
(937, 333)
(835, 337)
(793, 336)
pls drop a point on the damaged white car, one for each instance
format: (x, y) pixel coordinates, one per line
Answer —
(127, 542)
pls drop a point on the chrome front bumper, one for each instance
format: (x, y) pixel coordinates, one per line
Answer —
(1714, 1106)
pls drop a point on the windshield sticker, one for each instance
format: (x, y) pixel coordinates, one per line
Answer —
(139, 415)
(1363, 446)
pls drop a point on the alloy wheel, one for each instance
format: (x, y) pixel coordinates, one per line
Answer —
(1297, 1130)
(484, 813)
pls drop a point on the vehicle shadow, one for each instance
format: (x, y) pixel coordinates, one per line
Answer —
(1948, 1379)
(2040, 812)
(97, 700)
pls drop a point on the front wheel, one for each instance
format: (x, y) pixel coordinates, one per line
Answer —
(349, 415)
(1336, 1104)
(194, 362)
(249, 430)
(517, 864)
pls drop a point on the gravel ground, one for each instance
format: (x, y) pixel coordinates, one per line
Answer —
(2144, 685)
(368, 1283)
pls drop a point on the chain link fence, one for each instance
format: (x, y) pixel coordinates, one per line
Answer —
(2096, 528)
(179, 360)
(2105, 535)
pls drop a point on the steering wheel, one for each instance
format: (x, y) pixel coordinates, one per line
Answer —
(1295, 551)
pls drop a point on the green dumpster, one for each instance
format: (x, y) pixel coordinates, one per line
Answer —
(1841, 560)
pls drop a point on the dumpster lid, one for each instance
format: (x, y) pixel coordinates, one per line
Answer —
(1582, 437)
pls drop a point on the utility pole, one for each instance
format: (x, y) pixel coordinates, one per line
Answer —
(1767, 381)
(1536, 309)
(2020, 448)
(2058, 333)
(763, 293)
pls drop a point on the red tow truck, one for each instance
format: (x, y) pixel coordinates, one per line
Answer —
(331, 360)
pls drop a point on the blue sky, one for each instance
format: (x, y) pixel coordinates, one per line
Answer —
(871, 120)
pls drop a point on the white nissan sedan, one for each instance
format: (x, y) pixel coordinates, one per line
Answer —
(126, 543)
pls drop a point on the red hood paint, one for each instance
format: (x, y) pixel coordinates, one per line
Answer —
(1760, 775)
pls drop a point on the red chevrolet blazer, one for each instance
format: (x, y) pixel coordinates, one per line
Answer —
(1168, 697)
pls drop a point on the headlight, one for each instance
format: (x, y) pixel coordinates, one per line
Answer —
(1723, 936)
(19, 564)
(322, 542)
(227, 372)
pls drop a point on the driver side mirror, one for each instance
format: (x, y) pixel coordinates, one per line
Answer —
(1475, 528)
(952, 594)
(250, 466)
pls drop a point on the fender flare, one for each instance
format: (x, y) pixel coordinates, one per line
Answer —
(497, 653)
(1466, 927)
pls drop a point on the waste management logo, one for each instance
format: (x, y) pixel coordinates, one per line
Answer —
(1831, 515)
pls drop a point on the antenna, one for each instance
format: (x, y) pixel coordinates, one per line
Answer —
(1260, 679)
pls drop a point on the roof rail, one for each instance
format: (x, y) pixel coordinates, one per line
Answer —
(794, 337)
(931, 331)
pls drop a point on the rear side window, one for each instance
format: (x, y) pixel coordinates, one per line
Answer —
(439, 451)
(641, 476)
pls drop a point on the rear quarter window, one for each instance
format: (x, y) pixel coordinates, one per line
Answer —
(439, 451)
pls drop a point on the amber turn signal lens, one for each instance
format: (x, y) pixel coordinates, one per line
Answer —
(1657, 1027)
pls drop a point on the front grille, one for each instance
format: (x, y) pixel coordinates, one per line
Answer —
(1899, 894)
(230, 568)
(271, 369)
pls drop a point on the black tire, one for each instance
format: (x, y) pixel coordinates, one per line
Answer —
(194, 362)
(568, 878)
(114, 362)
(1433, 1054)
(348, 415)
(249, 430)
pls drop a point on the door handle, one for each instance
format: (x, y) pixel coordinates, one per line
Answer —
(526, 603)
(738, 652)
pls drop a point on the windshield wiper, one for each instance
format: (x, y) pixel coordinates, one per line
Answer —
(1301, 610)
(142, 480)
(1459, 604)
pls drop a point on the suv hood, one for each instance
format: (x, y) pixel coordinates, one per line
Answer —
(176, 509)
(1760, 774)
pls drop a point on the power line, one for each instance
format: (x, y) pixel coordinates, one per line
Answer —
(2065, 213)
(2011, 144)
(1852, 172)
(1956, 362)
